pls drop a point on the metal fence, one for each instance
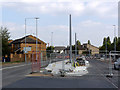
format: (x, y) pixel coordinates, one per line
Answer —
(102, 60)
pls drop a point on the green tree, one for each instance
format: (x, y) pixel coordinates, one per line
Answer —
(118, 44)
(104, 41)
(103, 47)
(114, 40)
(108, 44)
(89, 42)
(78, 43)
(49, 50)
(108, 40)
(5, 37)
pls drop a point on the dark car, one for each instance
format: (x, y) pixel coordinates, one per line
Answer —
(80, 61)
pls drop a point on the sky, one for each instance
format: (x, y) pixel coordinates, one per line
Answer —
(91, 19)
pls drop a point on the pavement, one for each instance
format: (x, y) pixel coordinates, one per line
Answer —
(96, 78)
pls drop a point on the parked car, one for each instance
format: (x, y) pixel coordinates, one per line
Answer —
(117, 64)
(66, 57)
(102, 58)
(80, 62)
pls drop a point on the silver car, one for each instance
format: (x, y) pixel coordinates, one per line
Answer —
(117, 64)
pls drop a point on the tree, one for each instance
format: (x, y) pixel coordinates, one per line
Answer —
(112, 45)
(5, 37)
(88, 41)
(118, 44)
(108, 42)
(49, 50)
(78, 43)
(104, 41)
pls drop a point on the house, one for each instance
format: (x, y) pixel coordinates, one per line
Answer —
(18, 46)
(84, 49)
(9, 41)
(88, 47)
(59, 49)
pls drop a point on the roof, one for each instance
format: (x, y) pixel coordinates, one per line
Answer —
(29, 39)
(80, 47)
(90, 45)
(10, 41)
(59, 47)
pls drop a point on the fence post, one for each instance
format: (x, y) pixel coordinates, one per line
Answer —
(41, 60)
(32, 61)
(50, 57)
(110, 66)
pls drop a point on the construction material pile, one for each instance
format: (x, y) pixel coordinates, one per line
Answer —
(65, 68)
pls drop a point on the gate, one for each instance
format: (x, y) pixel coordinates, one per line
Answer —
(36, 61)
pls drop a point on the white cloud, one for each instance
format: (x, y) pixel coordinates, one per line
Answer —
(57, 0)
(60, 32)
(77, 8)
(86, 30)
(102, 9)
(94, 31)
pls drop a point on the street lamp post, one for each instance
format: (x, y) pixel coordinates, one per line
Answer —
(75, 46)
(70, 39)
(51, 47)
(25, 42)
(25, 36)
(106, 47)
(36, 36)
(89, 49)
(51, 38)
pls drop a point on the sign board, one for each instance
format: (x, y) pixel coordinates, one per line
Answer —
(27, 49)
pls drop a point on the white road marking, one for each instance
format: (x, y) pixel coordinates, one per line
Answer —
(14, 66)
(107, 78)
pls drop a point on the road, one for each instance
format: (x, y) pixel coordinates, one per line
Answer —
(96, 78)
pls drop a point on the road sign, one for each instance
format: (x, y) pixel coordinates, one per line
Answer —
(27, 49)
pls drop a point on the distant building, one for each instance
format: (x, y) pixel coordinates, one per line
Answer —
(9, 41)
(86, 47)
(18, 46)
(59, 49)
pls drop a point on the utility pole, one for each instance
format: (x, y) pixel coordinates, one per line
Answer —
(89, 49)
(106, 46)
(51, 38)
(75, 46)
(70, 38)
(25, 42)
(115, 40)
(51, 47)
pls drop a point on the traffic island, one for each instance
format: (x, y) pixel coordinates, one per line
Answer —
(37, 74)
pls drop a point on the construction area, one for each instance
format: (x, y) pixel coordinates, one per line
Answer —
(61, 65)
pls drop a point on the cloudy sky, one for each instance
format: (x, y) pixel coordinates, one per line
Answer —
(91, 19)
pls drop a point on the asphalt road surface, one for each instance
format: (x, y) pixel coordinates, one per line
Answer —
(96, 78)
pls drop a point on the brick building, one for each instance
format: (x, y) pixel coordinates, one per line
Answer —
(86, 47)
(18, 48)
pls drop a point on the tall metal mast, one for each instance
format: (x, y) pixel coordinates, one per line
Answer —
(70, 38)
(75, 46)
